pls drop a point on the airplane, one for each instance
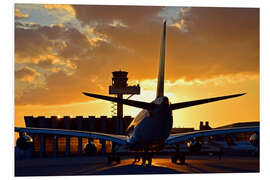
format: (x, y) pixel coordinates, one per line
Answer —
(150, 129)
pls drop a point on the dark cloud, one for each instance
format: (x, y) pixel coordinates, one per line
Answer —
(47, 63)
(219, 41)
(37, 45)
(129, 15)
(59, 91)
(76, 44)
(26, 74)
(30, 44)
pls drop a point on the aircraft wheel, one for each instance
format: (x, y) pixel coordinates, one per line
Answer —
(143, 160)
(137, 158)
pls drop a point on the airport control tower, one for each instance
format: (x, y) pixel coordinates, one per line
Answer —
(120, 87)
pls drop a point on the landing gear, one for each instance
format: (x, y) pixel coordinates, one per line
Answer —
(178, 156)
(137, 158)
(147, 157)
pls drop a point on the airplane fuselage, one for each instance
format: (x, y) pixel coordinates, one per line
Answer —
(150, 128)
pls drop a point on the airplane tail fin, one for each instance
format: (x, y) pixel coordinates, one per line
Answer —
(160, 83)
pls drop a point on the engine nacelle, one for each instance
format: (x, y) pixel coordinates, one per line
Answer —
(90, 148)
(24, 142)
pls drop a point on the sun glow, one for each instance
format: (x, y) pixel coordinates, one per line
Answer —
(71, 49)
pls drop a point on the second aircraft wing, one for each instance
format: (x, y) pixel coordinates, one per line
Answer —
(177, 138)
(119, 139)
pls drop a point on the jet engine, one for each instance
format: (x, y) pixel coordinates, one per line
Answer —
(24, 141)
(90, 148)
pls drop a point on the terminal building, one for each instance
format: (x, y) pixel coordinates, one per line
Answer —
(43, 145)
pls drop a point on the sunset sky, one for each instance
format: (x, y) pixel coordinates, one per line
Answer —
(63, 50)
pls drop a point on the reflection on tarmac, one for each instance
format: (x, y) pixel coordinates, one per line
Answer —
(160, 165)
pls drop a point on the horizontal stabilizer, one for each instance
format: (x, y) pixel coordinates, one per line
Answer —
(201, 101)
(138, 104)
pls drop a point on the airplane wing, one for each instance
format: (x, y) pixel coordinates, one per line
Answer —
(181, 137)
(119, 139)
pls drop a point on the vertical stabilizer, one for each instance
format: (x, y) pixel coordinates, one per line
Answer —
(160, 83)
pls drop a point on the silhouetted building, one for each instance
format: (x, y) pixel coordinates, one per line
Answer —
(43, 145)
(201, 125)
(102, 124)
(204, 127)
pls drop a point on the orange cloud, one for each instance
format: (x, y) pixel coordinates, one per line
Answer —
(65, 7)
(26, 74)
(20, 15)
(116, 23)
(215, 45)
(128, 15)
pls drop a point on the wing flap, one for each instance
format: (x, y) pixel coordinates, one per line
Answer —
(176, 138)
(86, 134)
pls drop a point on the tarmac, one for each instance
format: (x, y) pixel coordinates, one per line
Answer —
(83, 165)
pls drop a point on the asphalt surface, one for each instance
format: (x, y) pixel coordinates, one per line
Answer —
(160, 165)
